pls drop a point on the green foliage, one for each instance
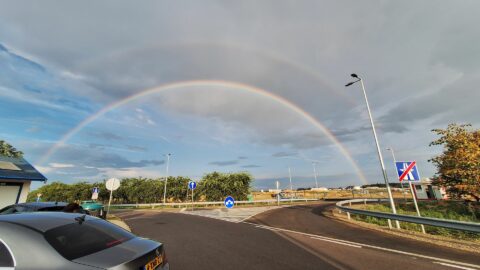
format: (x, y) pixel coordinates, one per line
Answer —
(216, 186)
(213, 186)
(8, 150)
(458, 167)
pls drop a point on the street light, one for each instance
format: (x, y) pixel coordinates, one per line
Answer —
(384, 172)
(166, 180)
(315, 174)
(291, 187)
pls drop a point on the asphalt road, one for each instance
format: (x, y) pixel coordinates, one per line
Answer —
(299, 237)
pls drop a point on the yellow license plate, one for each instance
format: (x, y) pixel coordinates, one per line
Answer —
(151, 265)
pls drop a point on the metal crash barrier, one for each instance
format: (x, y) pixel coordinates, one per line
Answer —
(450, 224)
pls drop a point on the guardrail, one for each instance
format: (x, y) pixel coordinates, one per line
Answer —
(208, 203)
(450, 224)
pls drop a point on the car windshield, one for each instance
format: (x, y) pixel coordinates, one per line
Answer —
(80, 239)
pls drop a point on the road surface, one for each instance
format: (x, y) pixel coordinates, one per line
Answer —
(299, 237)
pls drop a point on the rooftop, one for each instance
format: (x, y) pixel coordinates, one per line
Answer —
(18, 169)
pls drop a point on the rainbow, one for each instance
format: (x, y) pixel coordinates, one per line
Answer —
(205, 83)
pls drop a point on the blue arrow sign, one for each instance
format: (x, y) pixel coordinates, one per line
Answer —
(95, 190)
(192, 185)
(408, 172)
(229, 202)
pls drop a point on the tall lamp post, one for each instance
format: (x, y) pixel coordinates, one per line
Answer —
(166, 181)
(382, 164)
(315, 174)
(291, 187)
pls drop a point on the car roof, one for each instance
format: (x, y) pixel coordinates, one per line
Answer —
(43, 221)
(42, 204)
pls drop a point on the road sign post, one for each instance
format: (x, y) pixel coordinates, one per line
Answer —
(111, 184)
(408, 171)
(192, 185)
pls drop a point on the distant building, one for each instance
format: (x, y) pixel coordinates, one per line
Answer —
(424, 190)
(16, 174)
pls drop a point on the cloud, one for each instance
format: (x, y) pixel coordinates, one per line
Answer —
(242, 157)
(136, 148)
(284, 154)
(106, 135)
(82, 157)
(224, 163)
(61, 165)
(251, 166)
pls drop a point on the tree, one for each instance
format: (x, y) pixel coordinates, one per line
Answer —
(8, 150)
(458, 167)
(216, 186)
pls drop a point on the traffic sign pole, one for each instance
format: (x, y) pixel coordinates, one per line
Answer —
(416, 204)
(409, 171)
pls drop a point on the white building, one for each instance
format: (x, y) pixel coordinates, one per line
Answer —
(16, 174)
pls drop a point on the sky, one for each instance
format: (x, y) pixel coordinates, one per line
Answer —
(231, 86)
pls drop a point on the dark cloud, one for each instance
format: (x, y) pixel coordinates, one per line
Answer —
(106, 135)
(251, 166)
(99, 159)
(285, 154)
(136, 148)
(242, 157)
(224, 163)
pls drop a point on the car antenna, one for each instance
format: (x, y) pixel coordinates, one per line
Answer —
(80, 219)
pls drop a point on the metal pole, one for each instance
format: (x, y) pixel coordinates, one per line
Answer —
(316, 182)
(395, 165)
(278, 194)
(166, 180)
(384, 172)
(109, 201)
(192, 199)
(416, 205)
(291, 187)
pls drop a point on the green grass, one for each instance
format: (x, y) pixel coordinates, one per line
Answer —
(437, 209)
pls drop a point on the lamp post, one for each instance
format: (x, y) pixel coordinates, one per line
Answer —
(166, 181)
(291, 187)
(382, 164)
(315, 174)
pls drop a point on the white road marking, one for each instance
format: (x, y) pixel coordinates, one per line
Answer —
(336, 242)
(454, 266)
(371, 246)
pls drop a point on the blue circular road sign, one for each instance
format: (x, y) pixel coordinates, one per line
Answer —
(229, 202)
(192, 185)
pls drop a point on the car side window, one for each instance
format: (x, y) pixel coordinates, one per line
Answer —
(7, 210)
(6, 259)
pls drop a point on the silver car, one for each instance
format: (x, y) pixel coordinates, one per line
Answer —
(55, 240)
